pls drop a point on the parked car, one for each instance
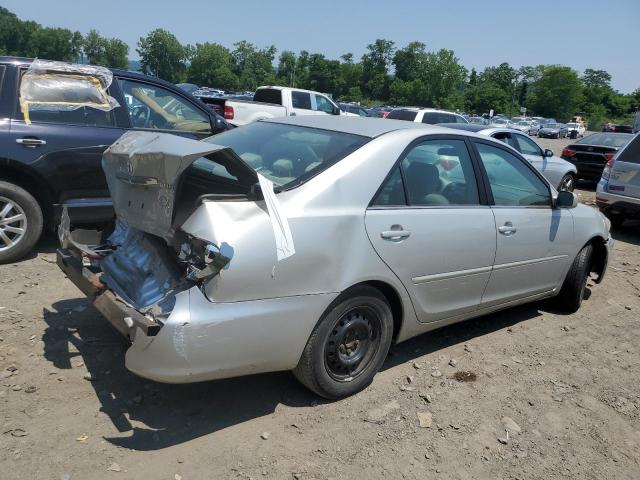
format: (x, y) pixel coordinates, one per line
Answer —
(610, 127)
(51, 159)
(553, 130)
(577, 128)
(273, 102)
(478, 121)
(354, 109)
(223, 288)
(560, 173)
(499, 122)
(425, 115)
(592, 153)
(525, 126)
(618, 192)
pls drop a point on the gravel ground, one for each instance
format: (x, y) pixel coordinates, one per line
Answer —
(565, 388)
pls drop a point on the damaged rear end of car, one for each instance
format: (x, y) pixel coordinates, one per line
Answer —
(139, 272)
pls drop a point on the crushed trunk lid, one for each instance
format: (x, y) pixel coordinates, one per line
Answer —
(143, 171)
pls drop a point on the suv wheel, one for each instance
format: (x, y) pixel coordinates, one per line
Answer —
(348, 345)
(567, 183)
(20, 222)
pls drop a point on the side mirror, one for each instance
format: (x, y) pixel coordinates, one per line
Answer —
(566, 200)
(336, 110)
(547, 153)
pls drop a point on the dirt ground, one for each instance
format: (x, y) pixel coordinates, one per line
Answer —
(564, 387)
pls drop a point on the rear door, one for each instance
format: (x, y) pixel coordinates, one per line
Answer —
(625, 174)
(301, 103)
(65, 147)
(430, 224)
(534, 240)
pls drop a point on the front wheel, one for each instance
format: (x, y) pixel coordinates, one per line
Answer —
(348, 345)
(572, 292)
(20, 222)
(567, 183)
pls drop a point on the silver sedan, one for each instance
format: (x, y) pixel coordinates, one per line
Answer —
(559, 172)
(313, 243)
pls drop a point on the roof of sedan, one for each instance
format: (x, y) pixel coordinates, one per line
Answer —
(363, 126)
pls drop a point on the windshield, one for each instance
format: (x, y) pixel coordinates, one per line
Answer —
(607, 139)
(523, 123)
(552, 125)
(287, 154)
(499, 121)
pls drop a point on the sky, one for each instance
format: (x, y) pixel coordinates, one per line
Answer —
(581, 34)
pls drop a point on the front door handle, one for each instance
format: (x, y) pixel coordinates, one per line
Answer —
(395, 235)
(507, 229)
(30, 142)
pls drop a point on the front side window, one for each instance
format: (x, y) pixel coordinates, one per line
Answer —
(153, 107)
(527, 146)
(287, 154)
(513, 184)
(301, 100)
(435, 173)
(323, 104)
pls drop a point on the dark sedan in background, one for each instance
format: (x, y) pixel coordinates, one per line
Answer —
(592, 153)
(553, 130)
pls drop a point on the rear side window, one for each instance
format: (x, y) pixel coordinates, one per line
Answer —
(72, 89)
(437, 117)
(268, 95)
(400, 114)
(631, 154)
(434, 173)
(527, 146)
(301, 100)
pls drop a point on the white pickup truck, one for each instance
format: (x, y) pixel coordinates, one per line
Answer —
(271, 102)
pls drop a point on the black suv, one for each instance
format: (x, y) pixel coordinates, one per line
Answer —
(52, 159)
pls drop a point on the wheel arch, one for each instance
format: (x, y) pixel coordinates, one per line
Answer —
(32, 183)
(391, 295)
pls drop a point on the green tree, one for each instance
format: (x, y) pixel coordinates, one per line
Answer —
(55, 44)
(15, 33)
(410, 61)
(253, 66)
(116, 54)
(94, 47)
(211, 66)
(558, 93)
(162, 55)
(375, 68)
(286, 68)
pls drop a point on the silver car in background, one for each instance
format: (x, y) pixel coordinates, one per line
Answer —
(618, 191)
(312, 243)
(559, 172)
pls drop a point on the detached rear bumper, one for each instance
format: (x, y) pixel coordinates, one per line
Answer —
(124, 318)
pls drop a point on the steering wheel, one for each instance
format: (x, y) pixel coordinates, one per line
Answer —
(140, 116)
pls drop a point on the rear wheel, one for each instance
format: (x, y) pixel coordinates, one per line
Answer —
(348, 345)
(572, 292)
(20, 222)
(567, 183)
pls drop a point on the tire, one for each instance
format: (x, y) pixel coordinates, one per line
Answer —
(360, 318)
(568, 182)
(572, 291)
(17, 203)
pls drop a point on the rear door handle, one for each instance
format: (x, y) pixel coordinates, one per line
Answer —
(395, 234)
(507, 229)
(30, 142)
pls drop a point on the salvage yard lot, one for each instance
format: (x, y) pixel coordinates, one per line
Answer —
(565, 387)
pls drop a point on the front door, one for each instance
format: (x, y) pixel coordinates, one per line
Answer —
(534, 240)
(431, 226)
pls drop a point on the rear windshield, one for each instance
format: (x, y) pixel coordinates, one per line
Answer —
(607, 139)
(288, 155)
(400, 114)
(268, 95)
(631, 154)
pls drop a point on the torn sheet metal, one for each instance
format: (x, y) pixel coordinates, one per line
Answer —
(142, 171)
(279, 222)
(59, 86)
